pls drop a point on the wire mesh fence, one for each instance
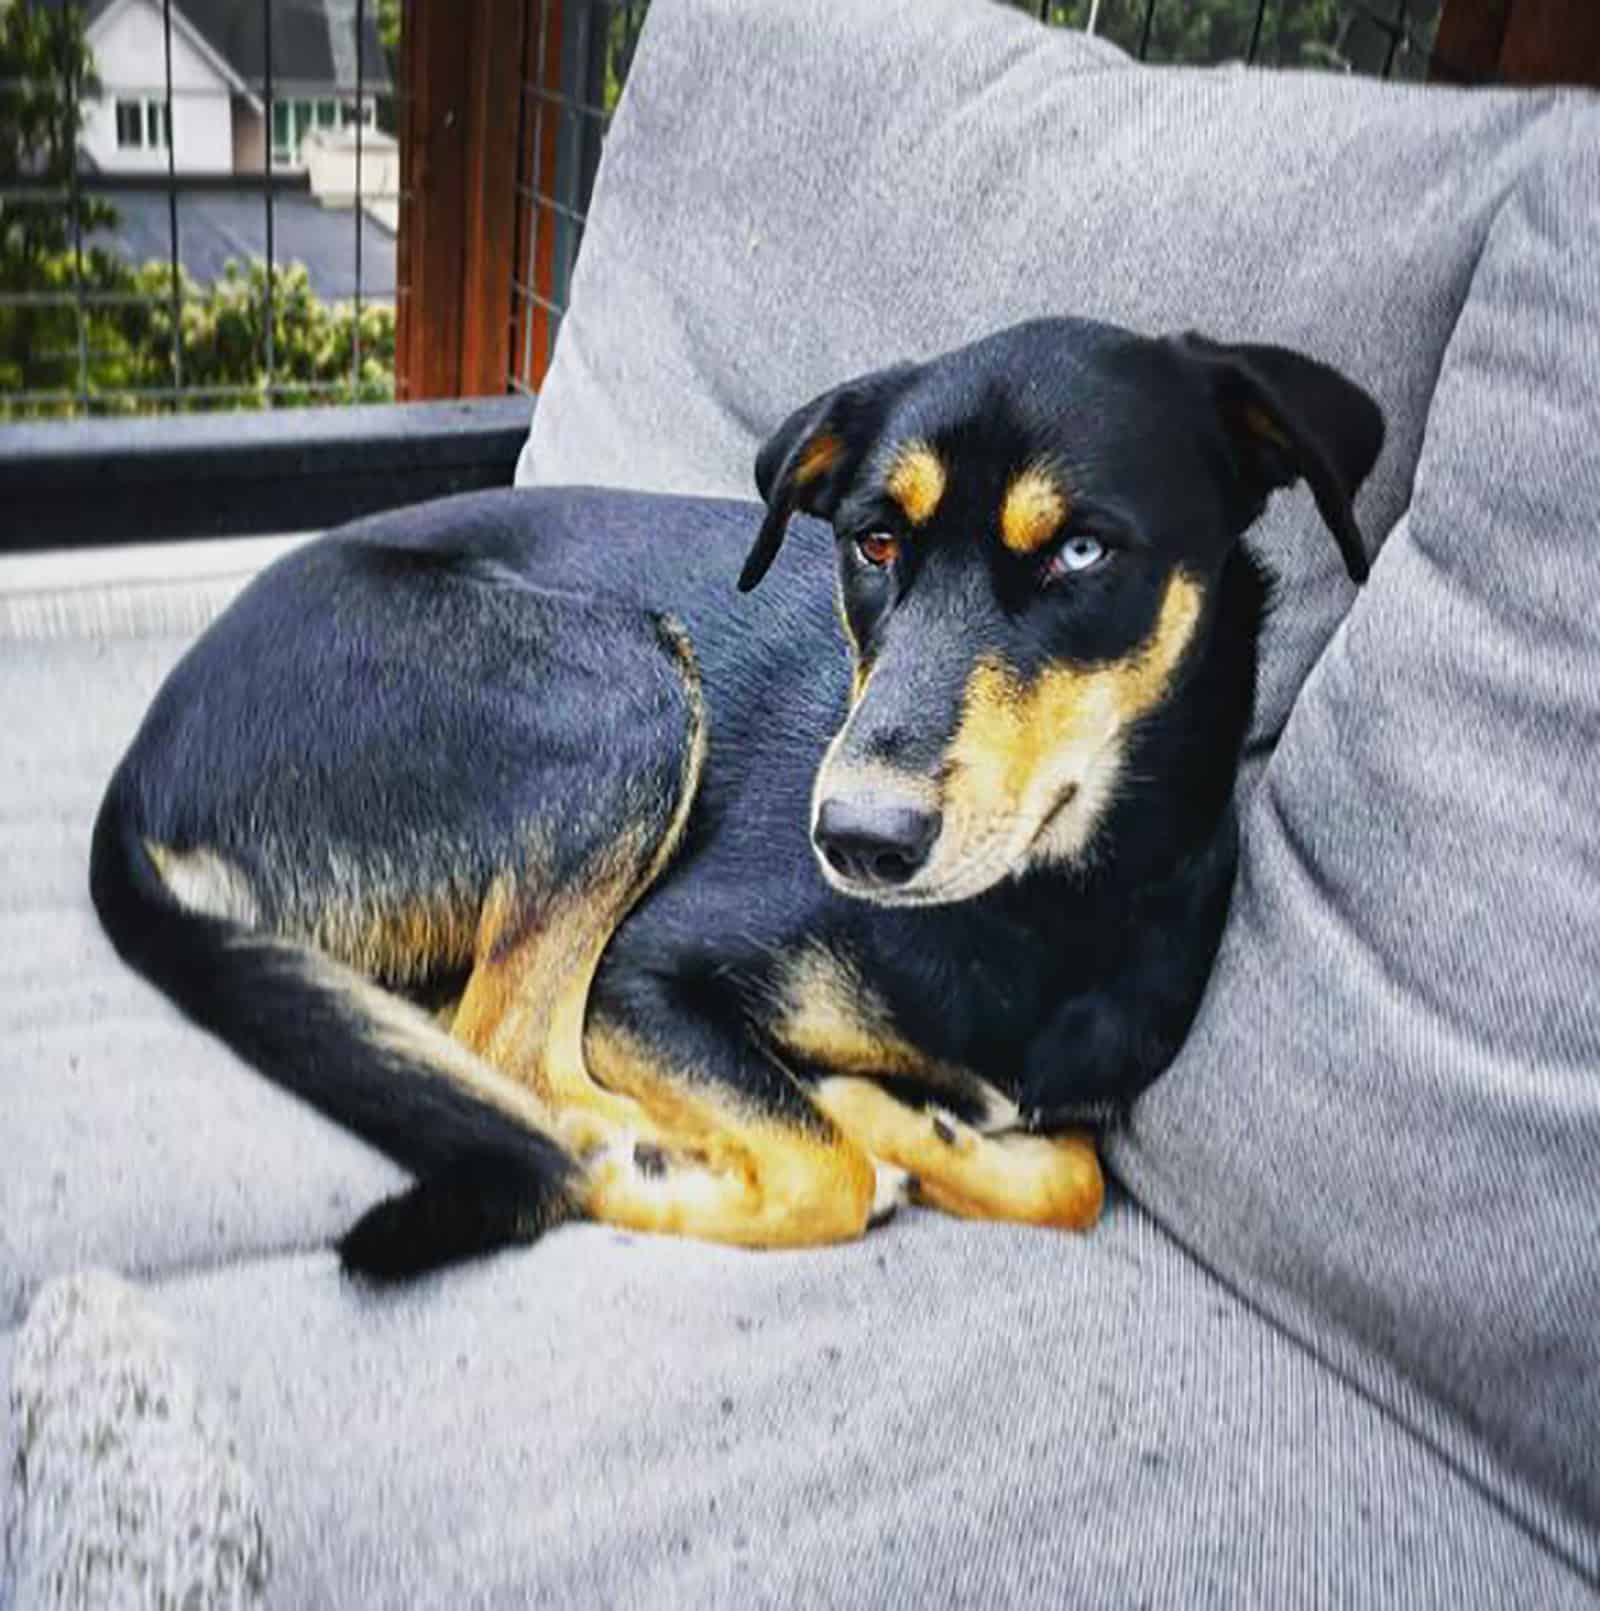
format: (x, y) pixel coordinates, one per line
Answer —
(199, 201)
(1382, 38)
(578, 64)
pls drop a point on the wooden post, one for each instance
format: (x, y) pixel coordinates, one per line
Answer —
(491, 194)
(461, 66)
(1522, 41)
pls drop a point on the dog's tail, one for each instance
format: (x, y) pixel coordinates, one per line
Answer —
(488, 1172)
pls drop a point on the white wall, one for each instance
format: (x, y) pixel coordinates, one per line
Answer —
(331, 161)
(130, 57)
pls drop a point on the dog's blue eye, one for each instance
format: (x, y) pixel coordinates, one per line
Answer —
(1076, 554)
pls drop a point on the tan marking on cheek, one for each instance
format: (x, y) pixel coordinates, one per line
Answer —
(817, 457)
(1032, 512)
(859, 669)
(1019, 744)
(916, 481)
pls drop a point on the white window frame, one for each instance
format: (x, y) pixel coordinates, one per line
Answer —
(152, 122)
(320, 112)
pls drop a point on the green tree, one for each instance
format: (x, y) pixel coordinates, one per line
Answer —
(46, 70)
(76, 319)
(390, 18)
(216, 352)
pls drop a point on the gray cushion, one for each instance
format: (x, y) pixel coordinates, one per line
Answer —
(794, 191)
(941, 1415)
(129, 1138)
(1386, 1125)
(946, 1413)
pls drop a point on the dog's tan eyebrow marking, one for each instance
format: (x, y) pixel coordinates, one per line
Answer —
(1033, 510)
(916, 480)
(1260, 423)
(817, 457)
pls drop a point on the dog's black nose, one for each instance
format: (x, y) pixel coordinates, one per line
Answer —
(871, 843)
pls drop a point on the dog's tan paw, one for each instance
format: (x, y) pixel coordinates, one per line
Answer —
(891, 1189)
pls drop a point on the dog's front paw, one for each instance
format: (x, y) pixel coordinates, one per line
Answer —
(958, 1136)
(892, 1188)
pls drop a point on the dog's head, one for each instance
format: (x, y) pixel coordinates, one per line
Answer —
(1030, 533)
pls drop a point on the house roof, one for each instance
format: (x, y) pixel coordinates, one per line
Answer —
(313, 41)
(215, 227)
(180, 25)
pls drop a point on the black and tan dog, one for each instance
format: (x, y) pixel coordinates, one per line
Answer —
(504, 833)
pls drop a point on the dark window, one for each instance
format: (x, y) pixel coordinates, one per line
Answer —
(130, 124)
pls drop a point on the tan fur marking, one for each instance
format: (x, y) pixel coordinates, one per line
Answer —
(522, 1009)
(1033, 766)
(1037, 1180)
(916, 481)
(827, 1019)
(407, 1030)
(817, 457)
(206, 882)
(1260, 423)
(730, 1176)
(399, 941)
(1033, 511)
(524, 1005)
(859, 671)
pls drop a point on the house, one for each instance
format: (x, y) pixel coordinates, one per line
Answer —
(218, 119)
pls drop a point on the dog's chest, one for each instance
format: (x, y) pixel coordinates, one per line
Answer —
(829, 1017)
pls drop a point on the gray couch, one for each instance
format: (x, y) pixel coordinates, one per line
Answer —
(1337, 1341)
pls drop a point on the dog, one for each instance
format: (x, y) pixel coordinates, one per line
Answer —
(504, 832)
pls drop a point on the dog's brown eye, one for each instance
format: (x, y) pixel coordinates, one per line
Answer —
(877, 549)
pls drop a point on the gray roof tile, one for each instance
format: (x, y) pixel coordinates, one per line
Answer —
(216, 225)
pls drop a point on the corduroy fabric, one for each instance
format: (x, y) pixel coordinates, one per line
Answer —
(947, 1413)
(128, 1138)
(795, 191)
(942, 1415)
(1386, 1124)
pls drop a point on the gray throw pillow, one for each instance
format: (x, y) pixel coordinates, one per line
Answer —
(794, 191)
(1385, 1128)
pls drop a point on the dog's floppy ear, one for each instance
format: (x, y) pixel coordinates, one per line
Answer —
(806, 464)
(1288, 416)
